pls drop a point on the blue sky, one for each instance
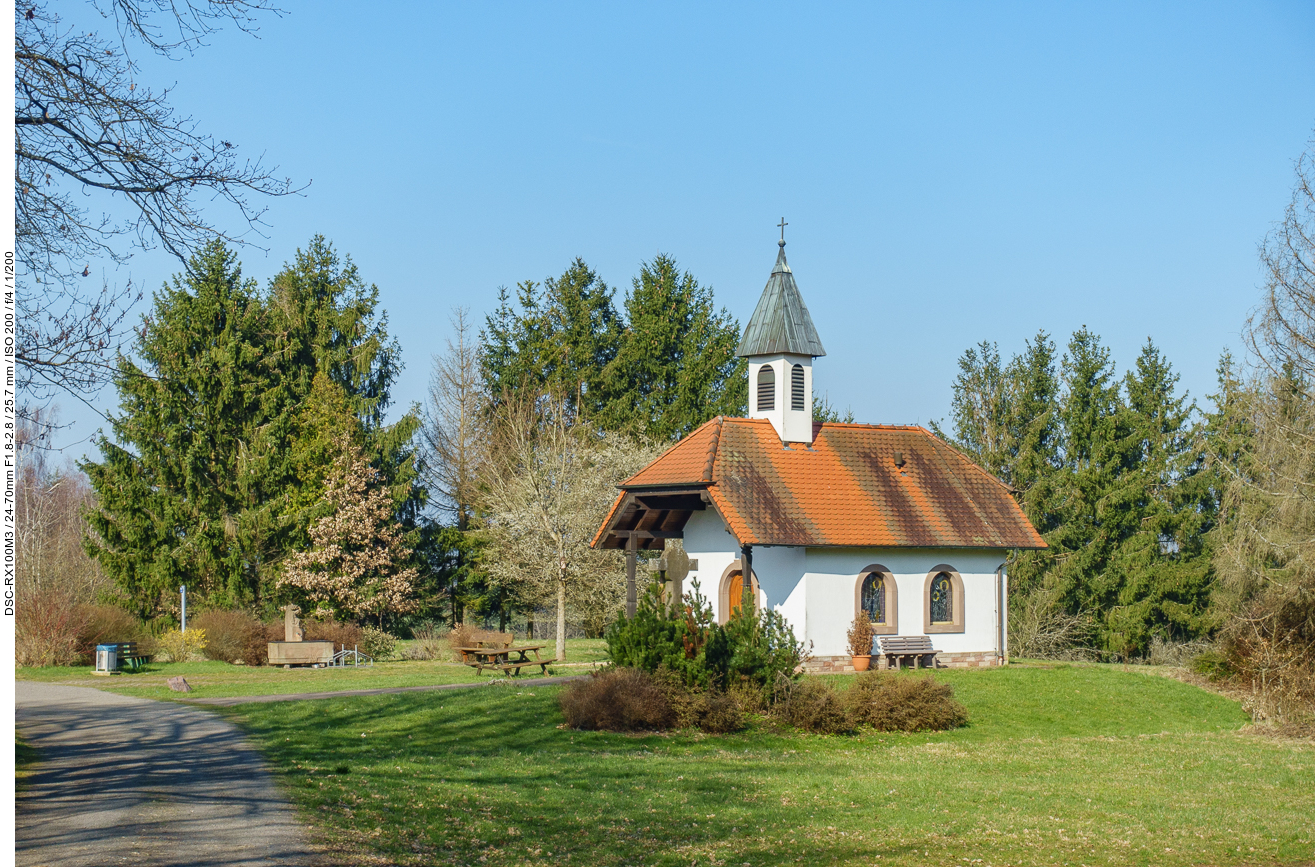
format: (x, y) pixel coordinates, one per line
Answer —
(950, 172)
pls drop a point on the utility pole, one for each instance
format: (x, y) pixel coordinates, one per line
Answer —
(183, 590)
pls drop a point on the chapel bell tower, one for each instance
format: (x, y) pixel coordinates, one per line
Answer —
(781, 343)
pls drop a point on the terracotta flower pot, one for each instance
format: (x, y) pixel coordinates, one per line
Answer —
(861, 663)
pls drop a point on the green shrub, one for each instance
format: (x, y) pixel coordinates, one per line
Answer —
(658, 637)
(904, 704)
(377, 644)
(617, 700)
(232, 636)
(751, 650)
(814, 706)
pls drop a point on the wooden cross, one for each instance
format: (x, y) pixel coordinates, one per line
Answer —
(783, 224)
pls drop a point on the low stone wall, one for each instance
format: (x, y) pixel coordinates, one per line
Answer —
(844, 664)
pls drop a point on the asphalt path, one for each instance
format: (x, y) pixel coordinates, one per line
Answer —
(131, 781)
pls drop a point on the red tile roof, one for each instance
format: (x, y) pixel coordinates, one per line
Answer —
(844, 490)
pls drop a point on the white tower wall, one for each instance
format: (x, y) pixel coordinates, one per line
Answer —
(792, 425)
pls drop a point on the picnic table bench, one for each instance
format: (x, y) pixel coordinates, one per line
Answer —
(130, 655)
(897, 647)
(495, 654)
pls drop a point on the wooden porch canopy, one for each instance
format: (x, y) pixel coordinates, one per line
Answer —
(650, 516)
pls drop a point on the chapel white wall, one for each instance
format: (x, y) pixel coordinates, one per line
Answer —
(814, 588)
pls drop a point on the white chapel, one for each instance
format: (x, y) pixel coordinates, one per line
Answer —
(828, 519)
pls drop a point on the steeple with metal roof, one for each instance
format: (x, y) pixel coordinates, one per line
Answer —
(780, 344)
(780, 322)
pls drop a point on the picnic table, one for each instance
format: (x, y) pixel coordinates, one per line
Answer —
(506, 659)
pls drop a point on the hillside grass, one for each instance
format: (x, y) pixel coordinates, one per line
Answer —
(212, 679)
(1060, 764)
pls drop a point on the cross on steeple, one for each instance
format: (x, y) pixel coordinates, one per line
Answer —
(782, 224)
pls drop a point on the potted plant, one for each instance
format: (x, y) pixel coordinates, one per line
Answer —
(860, 641)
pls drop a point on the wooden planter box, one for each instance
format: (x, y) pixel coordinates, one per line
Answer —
(300, 652)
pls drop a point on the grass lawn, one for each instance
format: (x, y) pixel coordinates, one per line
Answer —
(221, 680)
(1060, 764)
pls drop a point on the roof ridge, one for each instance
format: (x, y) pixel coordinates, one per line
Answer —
(712, 448)
(873, 425)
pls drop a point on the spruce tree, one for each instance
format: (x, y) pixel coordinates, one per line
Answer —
(325, 321)
(558, 342)
(219, 455)
(676, 367)
(188, 492)
(1163, 561)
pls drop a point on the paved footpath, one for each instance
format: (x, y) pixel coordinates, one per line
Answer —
(132, 781)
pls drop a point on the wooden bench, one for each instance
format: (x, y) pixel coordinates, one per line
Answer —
(897, 647)
(510, 668)
(128, 654)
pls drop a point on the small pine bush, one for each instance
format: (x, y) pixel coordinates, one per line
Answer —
(751, 650)
(617, 700)
(890, 703)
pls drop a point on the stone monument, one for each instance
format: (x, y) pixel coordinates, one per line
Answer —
(295, 649)
(675, 565)
(292, 624)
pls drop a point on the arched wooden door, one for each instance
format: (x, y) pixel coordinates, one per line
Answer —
(735, 593)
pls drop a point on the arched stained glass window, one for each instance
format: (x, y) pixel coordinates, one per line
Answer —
(766, 388)
(873, 597)
(942, 599)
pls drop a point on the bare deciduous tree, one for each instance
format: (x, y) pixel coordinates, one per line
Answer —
(105, 165)
(48, 505)
(545, 490)
(454, 431)
(1266, 559)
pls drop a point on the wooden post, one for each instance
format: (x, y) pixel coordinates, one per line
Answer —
(746, 566)
(632, 600)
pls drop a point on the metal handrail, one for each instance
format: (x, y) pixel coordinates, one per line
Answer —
(357, 658)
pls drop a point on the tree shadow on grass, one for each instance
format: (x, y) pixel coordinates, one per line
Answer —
(489, 775)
